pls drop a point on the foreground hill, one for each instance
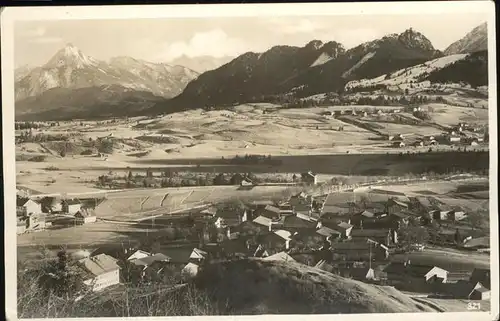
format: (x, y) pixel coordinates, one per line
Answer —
(70, 68)
(242, 287)
(271, 287)
(476, 40)
(307, 70)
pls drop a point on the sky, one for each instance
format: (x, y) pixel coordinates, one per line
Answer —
(165, 39)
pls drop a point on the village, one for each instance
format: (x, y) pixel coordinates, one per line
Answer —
(351, 236)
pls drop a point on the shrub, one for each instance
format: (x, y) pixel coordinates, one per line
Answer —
(38, 158)
(87, 152)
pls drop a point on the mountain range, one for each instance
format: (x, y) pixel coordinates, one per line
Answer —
(70, 68)
(476, 40)
(124, 85)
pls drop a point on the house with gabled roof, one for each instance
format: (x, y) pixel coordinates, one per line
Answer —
(264, 221)
(328, 232)
(464, 290)
(146, 261)
(359, 251)
(71, 206)
(139, 254)
(308, 240)
(345, 228)
(384, 236)
(26, 206)
(394, 205)
(406, 272)
(85, 216)
(296, 224)
(198, 255)
(190, 270)
(273, 242)
(99, 272)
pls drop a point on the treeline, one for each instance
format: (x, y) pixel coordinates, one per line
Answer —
(28, 136)
(33, 125)
(170, 178)
(472, 70)
(253, 160)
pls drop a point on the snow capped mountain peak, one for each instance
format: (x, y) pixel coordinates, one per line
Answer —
(475, 40)
(71, 56)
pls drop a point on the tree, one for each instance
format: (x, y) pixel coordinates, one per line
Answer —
(63, 153)
(413, 234)
(129, 176)
(479, 219)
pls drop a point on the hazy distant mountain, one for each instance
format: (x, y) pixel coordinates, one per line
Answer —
(86, 103)
(314, 68)
(201, 64)
(70, 68)
(476, 40)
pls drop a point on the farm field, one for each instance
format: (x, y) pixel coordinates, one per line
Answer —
(195, 139)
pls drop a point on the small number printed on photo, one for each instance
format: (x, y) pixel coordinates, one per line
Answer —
(473, 306)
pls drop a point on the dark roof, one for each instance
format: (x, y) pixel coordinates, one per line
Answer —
(344, 225)
(234, 247)
(21, 201)
(296, 222)
(367, 213)
(483, 276)
(273, 209)
(351, 246)
(148, 260)
(415, 270)
(456, 276)
(460, 289)
(72, 201)
(401, 215)
(325, 231)
(369, 232)
(397, 202)
(178, 254)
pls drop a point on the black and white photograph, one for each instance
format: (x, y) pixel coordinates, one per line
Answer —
(251, 159)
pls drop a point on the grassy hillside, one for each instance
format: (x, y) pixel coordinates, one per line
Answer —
(290, 288)
(263, 287)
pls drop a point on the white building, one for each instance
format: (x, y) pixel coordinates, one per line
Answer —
(190, 270)
(100, 271)
(139, 254)
(85, 216)
(27, 207)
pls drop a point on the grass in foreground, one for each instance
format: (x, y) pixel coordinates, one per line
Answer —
(229, 288)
